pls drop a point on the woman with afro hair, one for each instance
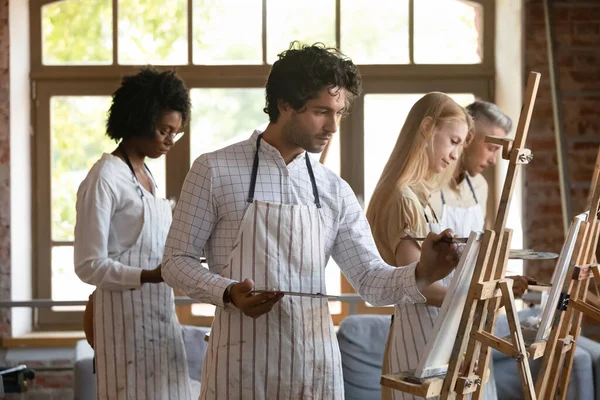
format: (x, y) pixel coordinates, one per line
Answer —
(120, 234)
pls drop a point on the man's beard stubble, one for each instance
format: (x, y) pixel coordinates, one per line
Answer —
(297, 137)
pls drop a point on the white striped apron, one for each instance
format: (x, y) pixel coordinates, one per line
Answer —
(292, 351)
(138, 342)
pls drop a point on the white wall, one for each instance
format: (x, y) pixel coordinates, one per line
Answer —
(20, 164)
(509, 97)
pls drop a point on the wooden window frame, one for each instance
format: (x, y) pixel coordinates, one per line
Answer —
(55, 80)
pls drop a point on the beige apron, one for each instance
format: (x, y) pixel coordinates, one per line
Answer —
(292, 351)
(410, 330)
(137, 338)
(413, 323)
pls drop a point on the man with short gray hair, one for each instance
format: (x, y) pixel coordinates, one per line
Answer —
(462, 205)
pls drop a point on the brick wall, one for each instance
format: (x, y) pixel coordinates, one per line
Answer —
(577, 25)
(53, 380)
(49, 384)
(4, 169)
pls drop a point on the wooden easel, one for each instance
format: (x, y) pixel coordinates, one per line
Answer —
(487, 293)
(557, 363)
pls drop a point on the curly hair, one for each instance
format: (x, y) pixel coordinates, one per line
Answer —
(139, 102)
(302, 71)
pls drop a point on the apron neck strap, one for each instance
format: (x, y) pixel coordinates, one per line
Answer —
(128, 162)
(471, 187)
(250, 198)
(252, 189)
(312, 180)
(437, 221)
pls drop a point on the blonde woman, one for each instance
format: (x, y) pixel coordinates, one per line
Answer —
(423, 159)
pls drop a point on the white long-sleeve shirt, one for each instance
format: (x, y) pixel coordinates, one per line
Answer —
(109, 221)
(212, 204)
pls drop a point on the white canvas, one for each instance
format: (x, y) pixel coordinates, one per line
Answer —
(558, 278)
(438, 350)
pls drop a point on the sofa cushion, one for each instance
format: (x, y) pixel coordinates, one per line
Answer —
(593, 349)
(195, 348)
(85, 381)
(581, 383)
(362, 341)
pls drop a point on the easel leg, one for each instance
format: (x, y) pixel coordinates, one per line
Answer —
(492, 312)
(469, 318)
(566, 371)
(517, 339)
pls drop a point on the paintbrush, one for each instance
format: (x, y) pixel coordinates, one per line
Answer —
(533, 282)
(445, 239)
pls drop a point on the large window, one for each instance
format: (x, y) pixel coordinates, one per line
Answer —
(223, 51)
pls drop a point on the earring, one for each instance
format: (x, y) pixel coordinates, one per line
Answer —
(426, 145)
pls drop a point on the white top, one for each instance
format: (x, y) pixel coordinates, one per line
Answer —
(109, 221)
(212, 204)
(462, 197)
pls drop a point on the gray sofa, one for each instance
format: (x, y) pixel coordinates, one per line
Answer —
(84, 382)
(362, 342)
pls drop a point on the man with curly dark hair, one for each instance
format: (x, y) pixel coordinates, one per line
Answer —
(120, 233)
(268, 218)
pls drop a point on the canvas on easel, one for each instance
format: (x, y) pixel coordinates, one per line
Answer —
(559, 351)
(439, 346)
(558, 279)
(487, 292)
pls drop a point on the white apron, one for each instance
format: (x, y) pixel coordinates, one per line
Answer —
(138, 342)
(463, 221)
(290, 352)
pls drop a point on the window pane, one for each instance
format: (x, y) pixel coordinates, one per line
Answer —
(384, 42)
(307, 21)
(77, 32)
(224, 116)
(153, 32)
(215, 42)
(448, 32)
(385, 115)
(77, 126)
(203, 310)
(66, 285)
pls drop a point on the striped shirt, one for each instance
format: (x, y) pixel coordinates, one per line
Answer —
(212, 204)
